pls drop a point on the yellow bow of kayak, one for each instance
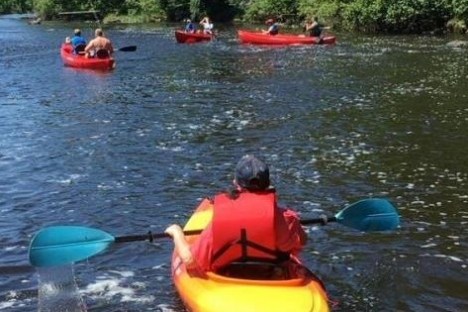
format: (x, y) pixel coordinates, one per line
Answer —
(216, 292)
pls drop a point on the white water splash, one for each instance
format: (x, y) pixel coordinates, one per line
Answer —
(58, 290)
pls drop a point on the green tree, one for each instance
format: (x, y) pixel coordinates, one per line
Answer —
(15, 6)
(46, 8)
(282, 10)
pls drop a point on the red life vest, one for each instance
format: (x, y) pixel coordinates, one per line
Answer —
(244, 228)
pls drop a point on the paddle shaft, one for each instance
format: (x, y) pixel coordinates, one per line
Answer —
(324, 220)
(150, 236)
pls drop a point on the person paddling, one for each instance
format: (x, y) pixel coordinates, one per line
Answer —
(279, 233)
(273, 27)
(78, 42)
(207, 25)
(189, 26)
(314, 28)
(100, 46)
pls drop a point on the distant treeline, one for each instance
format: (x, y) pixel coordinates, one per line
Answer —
(390, 16)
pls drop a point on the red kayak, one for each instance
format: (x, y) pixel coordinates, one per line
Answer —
(186, 37)
(281, 39)
(80, 61)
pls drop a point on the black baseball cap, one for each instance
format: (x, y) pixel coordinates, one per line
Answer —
(252, 173)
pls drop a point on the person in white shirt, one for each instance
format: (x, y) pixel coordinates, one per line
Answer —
(207, 25)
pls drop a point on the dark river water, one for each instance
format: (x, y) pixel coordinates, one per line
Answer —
(135, 149)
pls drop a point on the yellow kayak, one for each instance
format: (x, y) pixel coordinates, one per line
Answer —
(247, 287)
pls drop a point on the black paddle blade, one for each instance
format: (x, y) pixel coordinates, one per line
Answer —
(128, 49)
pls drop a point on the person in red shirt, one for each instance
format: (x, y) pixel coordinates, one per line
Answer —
(249, 214)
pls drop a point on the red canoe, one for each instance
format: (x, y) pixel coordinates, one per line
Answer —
(186, 37)
(281, 39)
(80, 61)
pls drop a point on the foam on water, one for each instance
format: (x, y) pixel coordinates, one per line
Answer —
(118, 286)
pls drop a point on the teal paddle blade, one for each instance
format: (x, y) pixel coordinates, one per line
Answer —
(375, 214)
(60, 245)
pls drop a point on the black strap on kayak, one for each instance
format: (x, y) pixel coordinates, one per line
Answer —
(245, 243)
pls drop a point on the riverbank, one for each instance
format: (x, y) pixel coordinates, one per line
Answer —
(376, 17)
(452, 27)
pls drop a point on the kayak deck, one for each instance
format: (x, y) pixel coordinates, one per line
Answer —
(80, 61)
(281, 39)
(247, 287)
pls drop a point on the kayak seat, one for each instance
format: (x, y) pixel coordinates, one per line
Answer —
(102, 54)
(80, 48)
(256, 270)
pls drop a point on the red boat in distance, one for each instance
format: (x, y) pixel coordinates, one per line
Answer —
(281, 39)
(187, 37)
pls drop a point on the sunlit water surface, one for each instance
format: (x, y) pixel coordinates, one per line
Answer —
(135, 149)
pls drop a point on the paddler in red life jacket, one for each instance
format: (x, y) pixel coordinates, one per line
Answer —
(247, 225)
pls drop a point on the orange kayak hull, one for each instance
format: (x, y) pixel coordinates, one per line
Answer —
(215, 292)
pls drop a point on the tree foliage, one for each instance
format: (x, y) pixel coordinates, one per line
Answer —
(281, 10)
(15, 6)
(363, 15)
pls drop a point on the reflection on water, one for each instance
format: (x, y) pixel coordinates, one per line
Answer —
(135, 149)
